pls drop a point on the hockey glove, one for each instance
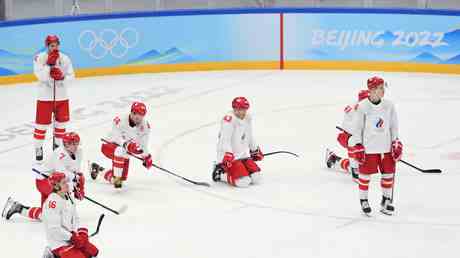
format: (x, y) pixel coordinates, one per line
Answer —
(257, 154)
(396, 150)
(78, 240)
(357, 152)
(227, 160)
(133, 147)
(147, 161)
(83, 232)
(343, 138)
(56, 74)
(52, 58)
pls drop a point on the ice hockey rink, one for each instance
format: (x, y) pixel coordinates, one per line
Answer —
(301, 209)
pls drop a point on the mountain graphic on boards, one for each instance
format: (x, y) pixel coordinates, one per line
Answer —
(170, 56)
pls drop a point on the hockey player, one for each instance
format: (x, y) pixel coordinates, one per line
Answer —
(65, 237)
(237, 149)
(347, 165)
(65, 159)
(375, 142)
(129, 135)
(53, 70)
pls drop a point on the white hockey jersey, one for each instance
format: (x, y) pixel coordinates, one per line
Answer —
(46, 83)
(236, 136)
(62, 161)
(349, 111)
(60, 219)
(375, 126)
(122, 132)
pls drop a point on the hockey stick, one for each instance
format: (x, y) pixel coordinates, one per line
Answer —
(118, 212)
(99, 222)
(267, 154)
(393, 188)
(163, 169)
(54, 114)
(278, 152)
(176, 175)
(428, 171)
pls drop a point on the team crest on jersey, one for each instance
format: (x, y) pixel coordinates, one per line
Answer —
(116, 120)
(379, 123)
(61, 156)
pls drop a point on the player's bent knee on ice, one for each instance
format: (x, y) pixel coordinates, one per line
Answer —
(243, 182)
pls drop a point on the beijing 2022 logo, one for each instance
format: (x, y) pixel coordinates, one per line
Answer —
(108, 41)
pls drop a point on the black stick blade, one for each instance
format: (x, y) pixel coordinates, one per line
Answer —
(203, 184)
(432, 171)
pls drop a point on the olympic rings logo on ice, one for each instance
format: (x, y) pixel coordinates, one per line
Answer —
(108, 41)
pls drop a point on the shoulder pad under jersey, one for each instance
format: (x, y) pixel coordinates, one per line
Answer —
(228, 118)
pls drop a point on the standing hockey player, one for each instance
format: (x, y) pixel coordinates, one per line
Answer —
(53, 70)
(347, 165)
(237, 149)
(375, 142)
(130, 135)
(65, 159)
(65, 237)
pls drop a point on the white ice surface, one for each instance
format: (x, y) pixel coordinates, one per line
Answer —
(300, 210)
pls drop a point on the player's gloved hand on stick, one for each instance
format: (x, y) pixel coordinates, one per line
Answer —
(133, 147)
(83, 232)
(79, 240)
(396, 150)
(357, 152)
(257, 154)
(79, 190)
(52, 57)
(147, 161)
(56, 74)
(88, 248)
(343, 138)
(227, 160)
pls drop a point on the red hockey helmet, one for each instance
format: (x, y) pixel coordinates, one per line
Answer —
(71, 138)
(374, 82)
(240, 103)
(363, 94)
(139, 108)
(56, 177)
(51, 39)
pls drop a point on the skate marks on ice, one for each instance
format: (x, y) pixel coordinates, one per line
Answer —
(105, 108)
(84, 114)
(188, 132)
(376, 217)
